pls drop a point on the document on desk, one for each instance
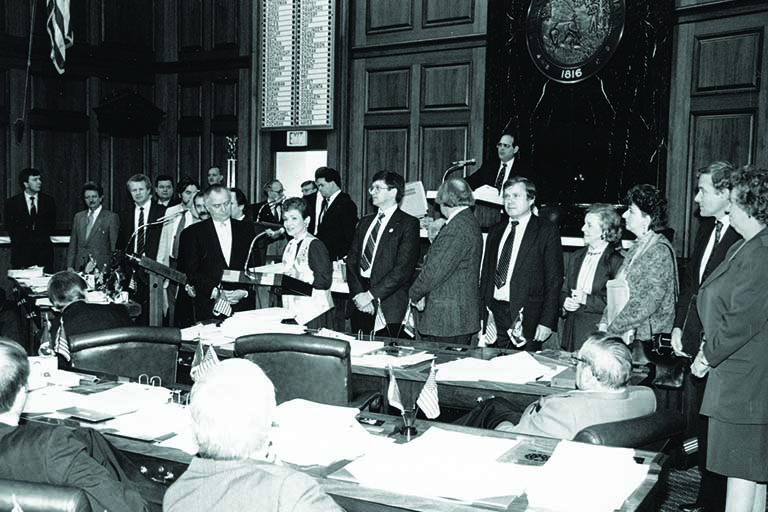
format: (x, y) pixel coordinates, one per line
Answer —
(518, 368)
(444, 464)
(589, 478)
(308, 433)
(156, 422)
(395, 356)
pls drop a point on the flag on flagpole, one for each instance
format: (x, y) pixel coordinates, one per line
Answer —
(60, 31)
(491, 334)
(409, 323)
(201, 364)
(428, 401)
(62, 343)
(380, 322)
(222, 306)
(393, 393)
(516, 332)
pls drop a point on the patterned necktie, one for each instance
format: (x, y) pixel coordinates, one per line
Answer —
(33, 211)
(323, 210)
(370, 244)
(500, 176)
(502, 268)
(89, 226)
(140, 235)
(718, 232)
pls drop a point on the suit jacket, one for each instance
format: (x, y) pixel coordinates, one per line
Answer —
(31, 245)
(99, 243)
(62, 456)
(245, 485)
(338, 226)
(201, 259)
(261, 212)
(486, 174)
(732, 305)
(686, 316)
(151, 239)
(536, 278)
(393, 267)
(565, 415)
(580, 323)
(449, 279)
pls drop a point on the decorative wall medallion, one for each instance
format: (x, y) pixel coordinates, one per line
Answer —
(571, 40)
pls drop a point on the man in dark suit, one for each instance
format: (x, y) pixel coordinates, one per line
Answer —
(448, 281)
(269, 214)
(94, 232)
(30, 218)
(140, 229)
(496, 171)
(66, 291)
(522, 270)
(333, 217)
(382, 259)
(713, 239)
(209, 247)
(57, 455)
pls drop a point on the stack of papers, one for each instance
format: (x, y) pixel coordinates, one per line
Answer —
(38, 284)
(25, 273)
(518, 368)
(397, 357)
(589, 478)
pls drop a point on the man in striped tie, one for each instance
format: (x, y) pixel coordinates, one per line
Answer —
(382, 260)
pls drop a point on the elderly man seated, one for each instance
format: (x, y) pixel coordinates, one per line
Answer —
(603, 369)
(55, 454)
(232, 406)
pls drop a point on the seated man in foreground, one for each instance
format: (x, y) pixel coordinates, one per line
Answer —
(604, 366)
(233, 469)
(54, 454)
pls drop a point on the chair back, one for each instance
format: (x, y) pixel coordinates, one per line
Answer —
(651, 432)
(39, 497)
(308, 367)
(129, 351)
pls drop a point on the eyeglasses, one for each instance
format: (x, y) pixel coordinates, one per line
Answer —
(503, 145)
(378, 188)
(574, 360)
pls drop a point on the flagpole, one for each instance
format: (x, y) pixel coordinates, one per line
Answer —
(18, 126)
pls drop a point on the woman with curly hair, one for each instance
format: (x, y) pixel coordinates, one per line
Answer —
(733, 306)
(649, 270)
(583, 296)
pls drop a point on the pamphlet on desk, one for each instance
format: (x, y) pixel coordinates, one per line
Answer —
(393, 355)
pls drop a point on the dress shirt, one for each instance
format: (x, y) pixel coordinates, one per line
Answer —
(91, 217)
(507, 171)
(319, 207)
(224, 232)
(726, 221)
(384, 221)
(29, 196)
(503, 293)
(136, 212)
(587, 271)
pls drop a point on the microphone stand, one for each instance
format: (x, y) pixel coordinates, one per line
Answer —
(456, 167)
(246, 271)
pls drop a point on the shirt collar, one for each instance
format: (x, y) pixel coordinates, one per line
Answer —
(455, 213)
(388, 211)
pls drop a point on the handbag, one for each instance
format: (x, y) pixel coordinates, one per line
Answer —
(666, 369)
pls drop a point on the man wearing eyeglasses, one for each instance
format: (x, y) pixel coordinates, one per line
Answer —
(495, 172)
(603, 369)
(382, 260)
(209, 247)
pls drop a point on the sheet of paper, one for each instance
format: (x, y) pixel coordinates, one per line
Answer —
(517, 368)
(151, 423)
(125, 398)
(49, 399)
(360, 348)
(381, 359)
(589, 478)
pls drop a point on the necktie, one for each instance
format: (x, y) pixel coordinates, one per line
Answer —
(718, 232)
(323, 210)
(500, 176)
(279, 212)
(370, 244)
(177, 238)
(33, 211)
(140, 235)
(89, 226)
(502, 268)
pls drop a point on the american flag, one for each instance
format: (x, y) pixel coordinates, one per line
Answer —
(202, 363)
(393, 393)
(428, 401)
(516, 332)
(491, 334)
(60, 32)
(409, 323)
(222, 305)
(380, 322)
(16, 506)
(62, 343)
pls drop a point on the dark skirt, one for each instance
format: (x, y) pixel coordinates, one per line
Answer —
(738, 450)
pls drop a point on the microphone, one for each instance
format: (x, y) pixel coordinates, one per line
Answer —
(462, 163)
(161, 220)
(246, 271)
(166, 218)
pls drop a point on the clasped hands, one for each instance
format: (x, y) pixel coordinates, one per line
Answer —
(364, 302)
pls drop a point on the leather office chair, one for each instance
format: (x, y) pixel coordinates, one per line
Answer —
(39, 497)
(128, 351)
(308, 367)
(651, 432)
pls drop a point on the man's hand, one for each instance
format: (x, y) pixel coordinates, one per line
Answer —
(364, 302)
(677, 342)
(700, 366)
(234, 296)
(190, 290)
(275, 234)
(542, 333)
(571, 304)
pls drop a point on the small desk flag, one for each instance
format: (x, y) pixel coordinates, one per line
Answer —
(428, 401)
(491, 334)
(62, 343)
(409, 322)
(202, 363)
(380, 322)
(516, 332)
(393, 393)
(222, 307)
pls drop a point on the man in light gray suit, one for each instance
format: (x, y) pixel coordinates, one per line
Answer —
(94, 232)
(447, 288)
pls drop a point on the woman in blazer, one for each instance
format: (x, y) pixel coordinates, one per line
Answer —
(733, 306)
(582, 300)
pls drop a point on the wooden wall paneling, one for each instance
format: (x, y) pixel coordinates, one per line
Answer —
(729, 136)
(441, 12)
(127, 156)
(387, 90)
(128, 24)
(727, 62)
(394, 15)
(440, 145)
(191, 158)
(225, 21)
(445, 87)
(385, 149)
(166, 92)
(190, 24)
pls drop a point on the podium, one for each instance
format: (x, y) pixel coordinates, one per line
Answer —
(158, 273)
